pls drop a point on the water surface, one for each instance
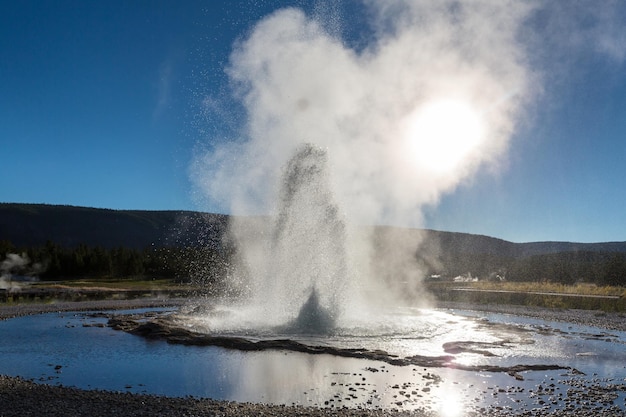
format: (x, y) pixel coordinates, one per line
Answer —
(74, 349)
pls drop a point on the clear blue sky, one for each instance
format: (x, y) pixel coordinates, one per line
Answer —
(101, 105)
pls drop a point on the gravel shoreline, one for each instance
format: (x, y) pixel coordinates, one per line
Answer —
(17, 310)
(19, 397)
(24, 398)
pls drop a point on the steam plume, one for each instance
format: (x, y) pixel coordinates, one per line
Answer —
(299, 82)
(12, 264)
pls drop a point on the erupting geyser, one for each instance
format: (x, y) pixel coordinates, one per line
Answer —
(432, 97)
(307, 256)
(394, 123)
(299, 273)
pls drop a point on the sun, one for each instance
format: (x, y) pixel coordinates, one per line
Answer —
(441, 134)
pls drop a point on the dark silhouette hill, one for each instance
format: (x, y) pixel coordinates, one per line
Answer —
(27, 225)
(454, 242)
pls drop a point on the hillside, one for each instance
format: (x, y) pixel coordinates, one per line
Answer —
(28, 225)
(453, 242)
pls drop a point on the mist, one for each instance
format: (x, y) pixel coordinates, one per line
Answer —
(15, 264)
(385, 113)
(301, 84)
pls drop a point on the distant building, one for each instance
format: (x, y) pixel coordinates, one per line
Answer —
(465, 278)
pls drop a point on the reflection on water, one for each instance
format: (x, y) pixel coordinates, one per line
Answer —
(74, 349)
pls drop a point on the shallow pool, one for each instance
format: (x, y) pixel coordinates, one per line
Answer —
(77, 349)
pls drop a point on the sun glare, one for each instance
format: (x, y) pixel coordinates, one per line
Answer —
(443, 133)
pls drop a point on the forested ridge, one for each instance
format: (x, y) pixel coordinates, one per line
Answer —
(602, 268)
(55, 262)
(30, 225)
(65, 242)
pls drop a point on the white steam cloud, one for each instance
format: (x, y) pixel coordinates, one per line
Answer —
(299, 83)
(437, 94)
(13, 264)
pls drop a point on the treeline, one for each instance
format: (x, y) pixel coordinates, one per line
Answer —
(602, 268)
(210, 264)
(52, 262)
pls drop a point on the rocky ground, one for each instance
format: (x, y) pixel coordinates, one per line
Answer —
(19, 397)
(24, 398)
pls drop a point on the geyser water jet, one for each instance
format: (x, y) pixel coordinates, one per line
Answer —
(298, 275)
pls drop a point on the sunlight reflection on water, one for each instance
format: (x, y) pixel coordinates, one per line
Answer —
(70, 349)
